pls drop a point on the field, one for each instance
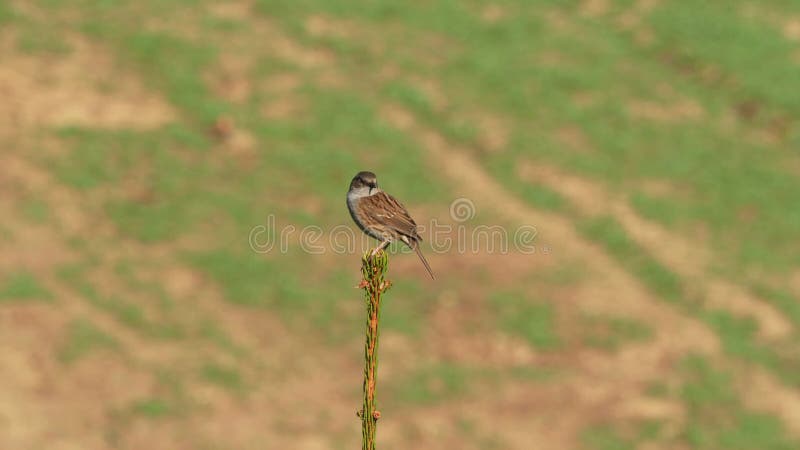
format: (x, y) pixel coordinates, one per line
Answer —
(652, 144)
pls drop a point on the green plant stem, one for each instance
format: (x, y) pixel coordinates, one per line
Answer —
(373, 268)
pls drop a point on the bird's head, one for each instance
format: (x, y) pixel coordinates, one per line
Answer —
(366, 180)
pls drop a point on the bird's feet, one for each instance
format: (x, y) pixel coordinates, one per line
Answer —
(379, 248)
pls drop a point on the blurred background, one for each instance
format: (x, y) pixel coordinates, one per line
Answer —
(653, 145)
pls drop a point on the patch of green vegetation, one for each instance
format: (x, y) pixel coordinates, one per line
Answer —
(609, 233)
(170, 399)
(132, 315)
(481, 439)
(224, 24)
(737, 333)
(610, 333)
(7, 13)
(105, 156)
(273, 282)
(567, 273)
(176, 65)
(152, 408)
(226, 377)
(42, 39)
(88, 165)
(405, 316)
(37, 211)
(752, 182)
(658, 389)
(536, 194)
(649, 430)
(211, 331)
(605, 438)
(6, 234)
(126, 312)
(529, 319)
(754, 51)
(168, 195)
(23, 286)
(624, 435)
(738, 336)
(716, 418)
(253, 280)
(73, 274)
(171, 63)
(147, 222)
(663, 210)
(82, 338)
(456, 130)
(433, 384)
(409, 96)
(153, 291)
(432, 15)
(542, 196)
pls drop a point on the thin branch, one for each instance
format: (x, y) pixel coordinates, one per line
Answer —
(373, 268)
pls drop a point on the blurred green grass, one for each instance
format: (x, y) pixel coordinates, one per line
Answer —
(612, 333)
(529, 319)
(84, 337)
(716, 419)
(23, 286)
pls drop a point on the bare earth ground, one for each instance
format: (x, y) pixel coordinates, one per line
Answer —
(301, 394)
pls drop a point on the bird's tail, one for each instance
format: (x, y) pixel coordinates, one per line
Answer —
(415, 246)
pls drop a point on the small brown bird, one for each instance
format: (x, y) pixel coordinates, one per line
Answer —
(381, 216)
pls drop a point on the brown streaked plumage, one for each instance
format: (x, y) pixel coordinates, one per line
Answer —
(381, 216)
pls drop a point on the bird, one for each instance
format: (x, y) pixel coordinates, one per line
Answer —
(381, 216)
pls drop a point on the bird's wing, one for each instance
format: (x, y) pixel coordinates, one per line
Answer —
(385, 210)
